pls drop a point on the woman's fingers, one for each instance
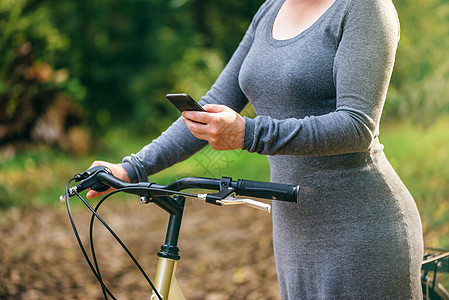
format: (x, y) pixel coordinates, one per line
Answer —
(216, 108)
(197, 116)
(208, 116)
(93, 194)
(221, 126)
(116, 169)
(195, 127)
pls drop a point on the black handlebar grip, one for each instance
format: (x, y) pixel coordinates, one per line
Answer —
(267, 190)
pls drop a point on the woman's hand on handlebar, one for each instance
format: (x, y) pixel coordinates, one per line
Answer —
(117, 170)
(221, 126)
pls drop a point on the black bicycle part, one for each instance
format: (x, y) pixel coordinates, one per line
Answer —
(80, 243)
(170, 248)
(439, 292)
(100, 178)
(95, 270)
(89, 179)
(225, 190)
(268, 190)
(92, 248)
(136, 263)
(434, 263)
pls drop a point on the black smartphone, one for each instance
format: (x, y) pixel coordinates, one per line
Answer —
(183, 102)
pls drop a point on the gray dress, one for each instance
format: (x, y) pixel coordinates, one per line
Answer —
(356, 231)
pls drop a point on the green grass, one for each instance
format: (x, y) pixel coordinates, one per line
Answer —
(38, 177)
(421, 158)
(215, 164)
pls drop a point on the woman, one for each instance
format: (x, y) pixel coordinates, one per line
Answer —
(316, 73)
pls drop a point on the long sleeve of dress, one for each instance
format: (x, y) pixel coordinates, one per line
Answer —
(362, 68)
(177, 143)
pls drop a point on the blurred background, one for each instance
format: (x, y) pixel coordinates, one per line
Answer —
(85, 80)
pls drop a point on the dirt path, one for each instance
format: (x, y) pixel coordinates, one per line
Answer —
(226, 253)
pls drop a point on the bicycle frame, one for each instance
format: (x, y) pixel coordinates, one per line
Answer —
(165, 282)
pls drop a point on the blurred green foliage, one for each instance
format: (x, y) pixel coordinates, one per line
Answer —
(129, 54)
(419, 89)
(28, 24)
(421, 158)
(21, 25)
(30, 81)
(122, 57)
(23, 21)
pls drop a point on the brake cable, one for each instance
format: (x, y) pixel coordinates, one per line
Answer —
(94, 257)
(80, 243)
(95, 268)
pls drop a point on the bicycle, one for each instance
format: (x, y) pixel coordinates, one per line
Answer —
(165, 285)
(171, 200)
(435, 260)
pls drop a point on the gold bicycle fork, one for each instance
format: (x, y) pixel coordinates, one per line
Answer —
(165, 281)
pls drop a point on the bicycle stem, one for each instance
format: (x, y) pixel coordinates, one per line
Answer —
(170, 248)
(169, 254)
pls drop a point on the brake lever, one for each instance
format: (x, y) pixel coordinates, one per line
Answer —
(92, 171)
(225, 191)
(88, 180)
(247, 201)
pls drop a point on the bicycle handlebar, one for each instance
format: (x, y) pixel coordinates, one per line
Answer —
(267, 190)
(259, 189)
(100, 178)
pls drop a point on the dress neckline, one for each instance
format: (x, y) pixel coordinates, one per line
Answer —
(303, 33)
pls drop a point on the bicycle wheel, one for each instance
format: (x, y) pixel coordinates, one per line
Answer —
(439, 293)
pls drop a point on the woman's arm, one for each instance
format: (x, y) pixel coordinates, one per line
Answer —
(177, 142)
(362, 70)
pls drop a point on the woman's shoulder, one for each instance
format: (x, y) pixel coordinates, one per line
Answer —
(373, 12)
(371, 6)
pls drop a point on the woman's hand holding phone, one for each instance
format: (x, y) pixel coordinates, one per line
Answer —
(221, 126)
